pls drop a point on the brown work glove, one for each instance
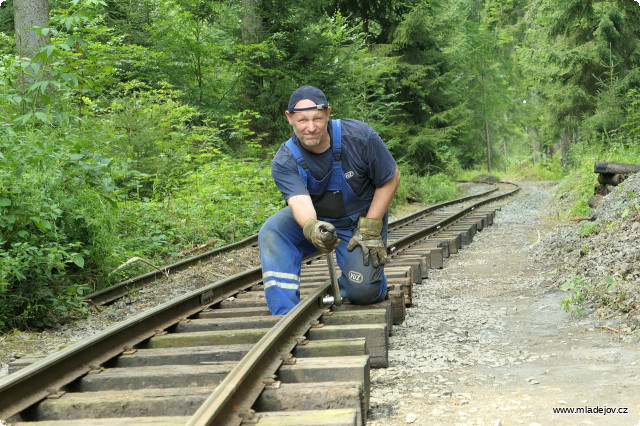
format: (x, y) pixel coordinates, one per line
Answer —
(321, 234)
(369, 239)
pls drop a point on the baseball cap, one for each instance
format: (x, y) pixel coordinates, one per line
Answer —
(308, 92)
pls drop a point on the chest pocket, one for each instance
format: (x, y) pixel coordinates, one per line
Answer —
(329, 204)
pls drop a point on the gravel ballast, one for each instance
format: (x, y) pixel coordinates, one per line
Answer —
(488, 342)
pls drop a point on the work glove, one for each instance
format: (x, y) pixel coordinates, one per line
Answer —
(368, 237)
(321, 234)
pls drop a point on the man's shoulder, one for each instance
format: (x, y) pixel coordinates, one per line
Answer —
(356, 133)
(283, 161)
(283, 153)
(357, 127)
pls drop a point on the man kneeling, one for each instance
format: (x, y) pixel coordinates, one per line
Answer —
(338, 179)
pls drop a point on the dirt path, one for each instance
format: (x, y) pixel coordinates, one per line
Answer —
(488, 343)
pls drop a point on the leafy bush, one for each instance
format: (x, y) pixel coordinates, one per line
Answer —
(578, 288)
(424, 189)
(55, 227)
(226, 200)
(470, 174)
(549, 168)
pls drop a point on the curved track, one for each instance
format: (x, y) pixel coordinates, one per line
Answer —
(124, 288)
(216, 356)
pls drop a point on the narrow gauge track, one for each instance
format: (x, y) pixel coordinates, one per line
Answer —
(308, 367)
(124, 288)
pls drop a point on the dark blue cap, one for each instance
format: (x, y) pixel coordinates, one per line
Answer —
(308, 92)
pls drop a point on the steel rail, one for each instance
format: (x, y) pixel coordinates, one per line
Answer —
(416, 215)
(231, 401)
(234, 396)
(419, 235)
(123, 288)
(34, 382)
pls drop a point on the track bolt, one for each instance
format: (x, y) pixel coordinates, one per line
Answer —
(327, 300)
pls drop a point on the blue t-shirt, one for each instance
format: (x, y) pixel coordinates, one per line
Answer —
(366, 162)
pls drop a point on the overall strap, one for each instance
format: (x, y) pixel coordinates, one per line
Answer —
(302, 166)
(337, 150)
(337, 140)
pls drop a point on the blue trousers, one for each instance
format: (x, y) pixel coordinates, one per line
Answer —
(282, 248)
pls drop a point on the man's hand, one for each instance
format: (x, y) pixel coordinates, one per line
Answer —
(369, 239)
(321, 234)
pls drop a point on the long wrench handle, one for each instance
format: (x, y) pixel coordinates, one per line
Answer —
(337, 296)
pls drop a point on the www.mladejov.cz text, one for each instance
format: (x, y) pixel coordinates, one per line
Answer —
(591, 410)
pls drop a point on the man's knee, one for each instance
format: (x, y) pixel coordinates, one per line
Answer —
(362, 290)
(267, 241)
(263, 233)
(365, 296)
(280, 301)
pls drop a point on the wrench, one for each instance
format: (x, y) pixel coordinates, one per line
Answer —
(337, 296)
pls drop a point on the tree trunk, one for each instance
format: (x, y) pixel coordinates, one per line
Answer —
(252, 34)
(504, 148)
(535, 145)
(486, 135)
(364, 14)
(27, 14)
(486, 125)
(564, 147)
(251, 22)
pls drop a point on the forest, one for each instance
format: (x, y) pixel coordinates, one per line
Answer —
(140, 128)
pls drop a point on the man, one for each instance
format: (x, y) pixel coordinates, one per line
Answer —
(338, 179)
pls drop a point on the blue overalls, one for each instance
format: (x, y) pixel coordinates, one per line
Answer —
(283, 246)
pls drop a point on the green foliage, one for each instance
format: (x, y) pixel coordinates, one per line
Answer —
(151, 126)
(614, 294)
(195, 53)
(55, 227)
(578, 185)
(226, 200)
(241, 196)
(579, 62)
(630, 128)
(47, 88)
(577, 288)
(469, 175)
(430, 189)
(379, 17)
(629, 203)
(574, 192)
(7, 43)
(588, 229)
(549, 168)
(584, 250)
(143, 127)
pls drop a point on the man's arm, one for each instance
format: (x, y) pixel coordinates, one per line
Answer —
(383, 196)
(302, 208)
(319, 233)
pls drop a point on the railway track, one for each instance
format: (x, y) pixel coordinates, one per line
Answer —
(216, 355)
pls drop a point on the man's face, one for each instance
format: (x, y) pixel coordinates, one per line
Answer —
(310, 126)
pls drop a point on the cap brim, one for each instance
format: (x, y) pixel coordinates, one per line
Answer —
(320, 106)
